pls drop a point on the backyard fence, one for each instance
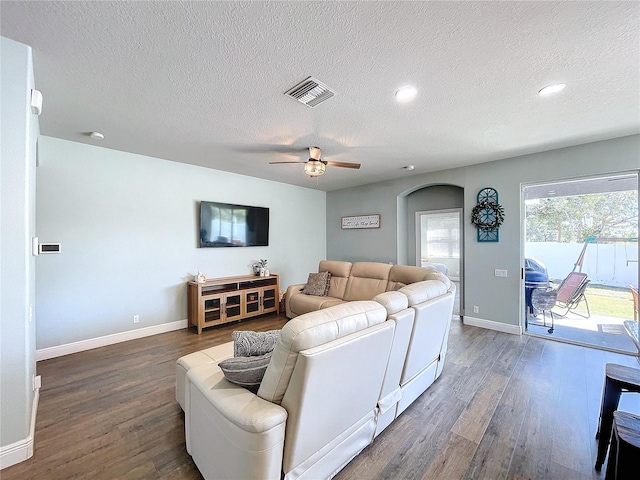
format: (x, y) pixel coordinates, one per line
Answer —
(610, 264)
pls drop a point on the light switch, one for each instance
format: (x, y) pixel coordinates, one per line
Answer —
(500, 273)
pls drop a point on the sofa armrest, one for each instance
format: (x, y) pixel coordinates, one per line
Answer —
(291, 291)
(236, 404)
(231, 432)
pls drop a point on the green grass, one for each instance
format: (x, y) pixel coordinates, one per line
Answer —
(608, 301)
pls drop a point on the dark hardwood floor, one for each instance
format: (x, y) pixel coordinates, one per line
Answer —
(505, 407)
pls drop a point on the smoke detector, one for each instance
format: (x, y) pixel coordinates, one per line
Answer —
(311, 91)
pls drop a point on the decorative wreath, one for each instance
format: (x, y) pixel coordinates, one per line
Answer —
(487, 215)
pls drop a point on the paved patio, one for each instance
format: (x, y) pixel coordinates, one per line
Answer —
(597, 331)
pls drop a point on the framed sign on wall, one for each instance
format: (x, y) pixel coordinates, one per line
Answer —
(361, 221)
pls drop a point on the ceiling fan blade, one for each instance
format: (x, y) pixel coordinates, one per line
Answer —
(343, 164)
(271, 148)
(272, 163)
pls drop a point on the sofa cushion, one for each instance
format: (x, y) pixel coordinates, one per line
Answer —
(248, 344)
(393, 302)
(339, 275)
(188, 362)
(301, 304)
(336, 268)
(407, 274)
(246, 371)
(310, 330)
(367, 279)
(420, 292)
(317, 284)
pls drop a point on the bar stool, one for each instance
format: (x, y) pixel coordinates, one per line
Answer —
(625, 447)
(617, 379)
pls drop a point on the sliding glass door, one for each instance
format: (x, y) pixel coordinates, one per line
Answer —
(581, 242)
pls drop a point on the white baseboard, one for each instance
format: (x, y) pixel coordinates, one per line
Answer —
(21, 450)
(82, 345)
(492, 325)
(16, 452)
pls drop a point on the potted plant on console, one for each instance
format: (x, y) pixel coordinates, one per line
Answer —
(260, 267)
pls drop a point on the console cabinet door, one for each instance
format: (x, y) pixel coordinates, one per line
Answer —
(212, 308)
(252, 302)
(233, 306)
(260, 300)
(219, 309)
(269, 299)
(210, 312)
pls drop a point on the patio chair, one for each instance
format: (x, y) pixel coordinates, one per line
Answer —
(571, 294)
(634, 294)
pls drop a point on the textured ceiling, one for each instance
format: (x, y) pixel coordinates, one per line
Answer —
(203, 82)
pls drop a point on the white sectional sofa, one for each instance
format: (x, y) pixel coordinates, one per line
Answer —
(338, 376)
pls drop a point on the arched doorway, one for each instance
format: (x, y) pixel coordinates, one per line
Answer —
(435, 233)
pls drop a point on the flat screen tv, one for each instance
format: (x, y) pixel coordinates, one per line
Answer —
(227, 225)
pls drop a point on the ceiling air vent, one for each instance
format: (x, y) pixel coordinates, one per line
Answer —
(311, 92)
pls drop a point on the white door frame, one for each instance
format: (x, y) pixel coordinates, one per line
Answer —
(523, 227)
(460, 212)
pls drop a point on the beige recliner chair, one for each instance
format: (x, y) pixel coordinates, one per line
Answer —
(316, 408)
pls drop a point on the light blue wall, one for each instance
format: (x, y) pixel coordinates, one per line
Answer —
(497, 298)
(128, 225)
(17, 267)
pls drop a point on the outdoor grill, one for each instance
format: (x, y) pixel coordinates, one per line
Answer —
(535, 276)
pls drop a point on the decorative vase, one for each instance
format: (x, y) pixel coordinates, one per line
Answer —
(266, 272)
(262, 272)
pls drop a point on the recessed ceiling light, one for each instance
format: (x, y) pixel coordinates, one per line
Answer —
(96, 135)
(551, 89)
(406, 94)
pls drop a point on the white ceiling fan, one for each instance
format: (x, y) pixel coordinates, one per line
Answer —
(315, 166)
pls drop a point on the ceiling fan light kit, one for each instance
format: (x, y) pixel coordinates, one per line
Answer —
(314, 168)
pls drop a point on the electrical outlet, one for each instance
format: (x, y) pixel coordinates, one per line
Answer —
(136, 318)
(476, 309)
(500, 273)
(37, 382)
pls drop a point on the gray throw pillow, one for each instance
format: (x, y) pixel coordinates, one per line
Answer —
(246, 371)
(248, 344)
(318, 284)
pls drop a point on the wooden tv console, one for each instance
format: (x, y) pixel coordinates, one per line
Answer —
(222, 300)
